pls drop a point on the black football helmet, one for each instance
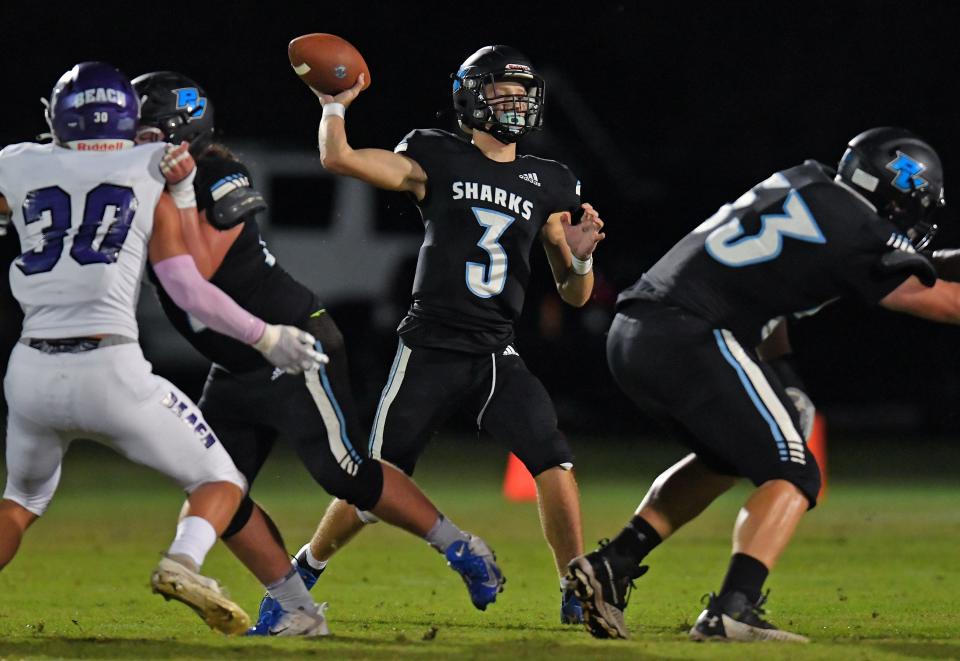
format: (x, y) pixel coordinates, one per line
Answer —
(175, 106)
(901, 175)
(506, 117)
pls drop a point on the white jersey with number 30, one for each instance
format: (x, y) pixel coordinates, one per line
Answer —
(84, 220)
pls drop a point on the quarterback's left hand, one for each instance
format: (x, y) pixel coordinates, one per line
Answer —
(583, 237)
(177, 164)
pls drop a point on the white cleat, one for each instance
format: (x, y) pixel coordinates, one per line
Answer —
(204, 595)
(733, 618)
(302, 622)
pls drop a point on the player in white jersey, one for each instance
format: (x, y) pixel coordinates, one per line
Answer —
(90, 209)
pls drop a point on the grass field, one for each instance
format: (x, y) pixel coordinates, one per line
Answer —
(872, 574)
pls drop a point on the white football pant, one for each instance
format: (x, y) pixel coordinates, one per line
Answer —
(109, 395)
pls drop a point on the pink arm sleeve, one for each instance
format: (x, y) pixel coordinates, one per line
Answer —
(213, 308)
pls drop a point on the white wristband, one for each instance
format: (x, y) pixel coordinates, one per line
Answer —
(182, 192)
(334, 110)
(582, 266)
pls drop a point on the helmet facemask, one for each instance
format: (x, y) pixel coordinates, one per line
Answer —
(482, 104)
(915, 215)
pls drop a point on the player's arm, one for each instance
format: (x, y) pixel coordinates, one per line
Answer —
(941, 302)
(286, 347)
(378, 167)
(569, 250)
(5, 215)
(179, 169)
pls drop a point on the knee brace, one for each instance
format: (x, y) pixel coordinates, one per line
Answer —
(239, 520)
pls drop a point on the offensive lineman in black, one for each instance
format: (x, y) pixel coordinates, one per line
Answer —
(482, 208)
(682, 347)
(245, 400)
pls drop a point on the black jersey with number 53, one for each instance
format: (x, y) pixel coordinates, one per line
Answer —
(480, 219)
(787, 246)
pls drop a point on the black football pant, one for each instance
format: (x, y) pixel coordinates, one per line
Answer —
(727, 405)
(314, 412)
(427, 386)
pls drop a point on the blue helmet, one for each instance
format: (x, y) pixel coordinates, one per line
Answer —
(93, 107)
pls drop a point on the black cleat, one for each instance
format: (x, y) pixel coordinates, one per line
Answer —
(602, 580)
(731, 617)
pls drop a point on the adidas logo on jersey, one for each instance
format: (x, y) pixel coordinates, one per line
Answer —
(510, 351)
(531, 177)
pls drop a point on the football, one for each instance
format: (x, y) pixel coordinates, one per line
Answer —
(327, 62)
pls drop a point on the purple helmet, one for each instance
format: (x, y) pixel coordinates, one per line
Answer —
(93, 107)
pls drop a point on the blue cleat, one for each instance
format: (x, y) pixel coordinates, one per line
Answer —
(270, 612)
(571, 610)
(477, 566)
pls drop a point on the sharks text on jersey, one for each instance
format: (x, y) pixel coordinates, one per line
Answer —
(470, 190)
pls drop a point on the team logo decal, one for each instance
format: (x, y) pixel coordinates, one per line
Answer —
(189, 99)
(907, 170)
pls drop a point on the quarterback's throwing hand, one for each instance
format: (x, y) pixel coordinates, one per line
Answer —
(583, 237)
(291, 349)
(345, 97)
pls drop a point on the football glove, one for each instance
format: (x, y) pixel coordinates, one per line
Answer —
(291, 349)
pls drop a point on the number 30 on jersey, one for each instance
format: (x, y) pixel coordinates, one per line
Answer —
(488, 280)
(728, 245)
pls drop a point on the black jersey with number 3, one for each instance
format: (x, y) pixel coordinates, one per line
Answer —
(249, 274)
(480, 219)
(789, 245)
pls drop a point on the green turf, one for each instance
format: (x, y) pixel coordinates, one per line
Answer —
(872, 573)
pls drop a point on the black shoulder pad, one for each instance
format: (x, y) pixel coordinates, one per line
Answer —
(225, 192)
(908, 263)
(235, 207)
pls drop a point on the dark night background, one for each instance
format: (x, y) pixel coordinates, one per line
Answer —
(664, 110)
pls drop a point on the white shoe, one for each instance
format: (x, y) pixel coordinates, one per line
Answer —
(302, 622)
(204, 595)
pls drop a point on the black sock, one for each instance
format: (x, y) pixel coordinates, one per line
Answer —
(636, 540)
(746, 574)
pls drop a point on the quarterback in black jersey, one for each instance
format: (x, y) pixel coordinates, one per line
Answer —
(251, 405)
(683, 346)
(482, 207)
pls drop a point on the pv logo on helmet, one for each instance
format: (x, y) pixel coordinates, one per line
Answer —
(189, 99)
(907, 170)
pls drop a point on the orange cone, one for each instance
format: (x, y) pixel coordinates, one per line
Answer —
(818, 447)
(518, 483)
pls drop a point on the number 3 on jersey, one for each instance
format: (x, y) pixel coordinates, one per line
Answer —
(728, 245)
(483, 280)
(53, 205)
